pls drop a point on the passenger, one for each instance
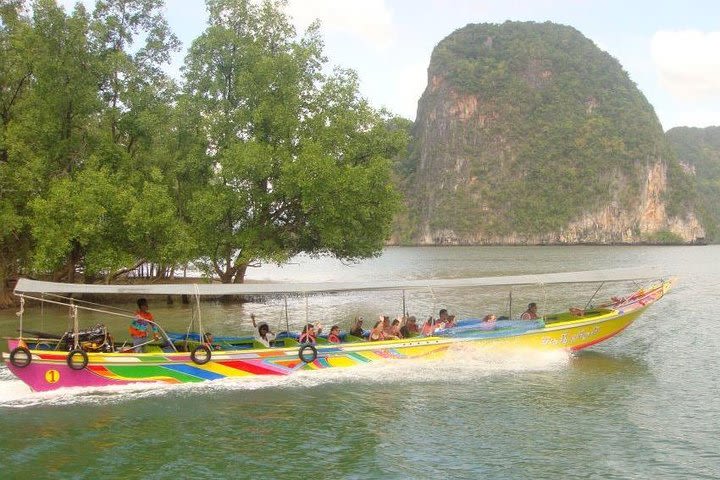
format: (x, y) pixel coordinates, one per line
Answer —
(309, 335)
(450, 322)
(443, 319)
(357, 330)
(410, 329)
(377, 333)
(140, 325)
(209, 339)
(488, 322)
(530, 313)
(395, 329)
(334, 335)
(387, 327)
(578, 312)
(263, 333)
(428, 327)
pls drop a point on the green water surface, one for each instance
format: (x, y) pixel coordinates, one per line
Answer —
(642, 405)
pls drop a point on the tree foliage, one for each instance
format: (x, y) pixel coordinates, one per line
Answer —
(299, 161)
(106, 163)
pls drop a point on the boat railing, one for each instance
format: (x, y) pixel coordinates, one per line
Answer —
(75, 308)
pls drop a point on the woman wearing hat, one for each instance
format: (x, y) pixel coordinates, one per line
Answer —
(262, 333)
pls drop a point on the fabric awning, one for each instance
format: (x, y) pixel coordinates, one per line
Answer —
(216, 289)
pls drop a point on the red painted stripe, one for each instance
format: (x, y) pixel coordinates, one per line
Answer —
(594, 342)
(249, 367)
(99, 369)
(288, 363)
(52, 356)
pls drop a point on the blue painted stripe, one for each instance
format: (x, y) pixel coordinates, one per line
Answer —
(197, 372)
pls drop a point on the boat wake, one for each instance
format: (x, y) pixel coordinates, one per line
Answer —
(459, 364)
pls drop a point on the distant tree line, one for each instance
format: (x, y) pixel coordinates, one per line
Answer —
(107, 164)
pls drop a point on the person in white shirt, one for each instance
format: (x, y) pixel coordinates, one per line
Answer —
(262, 332)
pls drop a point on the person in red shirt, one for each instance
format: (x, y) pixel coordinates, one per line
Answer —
(530, 313)
(142, 325)
(334, 335)
(428, 327)
(309, 335)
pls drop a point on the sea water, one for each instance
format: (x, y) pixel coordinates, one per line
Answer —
(642, 405)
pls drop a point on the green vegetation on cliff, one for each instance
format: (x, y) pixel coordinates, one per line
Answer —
(699, 149)
(525, 127)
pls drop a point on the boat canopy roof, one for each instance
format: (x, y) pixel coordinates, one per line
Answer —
(215, 289)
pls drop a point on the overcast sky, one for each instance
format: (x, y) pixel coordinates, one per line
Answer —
(671, 49)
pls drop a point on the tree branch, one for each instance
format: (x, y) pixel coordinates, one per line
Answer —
(126, 270)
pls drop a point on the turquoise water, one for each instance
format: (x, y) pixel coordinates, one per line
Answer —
(642, 405)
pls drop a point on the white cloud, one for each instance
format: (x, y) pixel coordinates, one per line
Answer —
(409, 85)
(369, 20)
(700, 116)
(688, 63)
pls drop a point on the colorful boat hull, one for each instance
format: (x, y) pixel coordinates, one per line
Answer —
(49, 370)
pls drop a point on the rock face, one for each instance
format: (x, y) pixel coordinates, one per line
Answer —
(529, 134)
(698, 152)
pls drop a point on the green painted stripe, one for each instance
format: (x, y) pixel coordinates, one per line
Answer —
(148, 371)
(358, 356)
(152, 359)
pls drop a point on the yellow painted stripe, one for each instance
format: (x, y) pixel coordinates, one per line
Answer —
(223, 370)
(370, 355)
(420, 350)
(342, 362)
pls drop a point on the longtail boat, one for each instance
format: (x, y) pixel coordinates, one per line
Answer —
(91, 358)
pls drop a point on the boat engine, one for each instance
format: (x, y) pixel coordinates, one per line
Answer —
(93, 339)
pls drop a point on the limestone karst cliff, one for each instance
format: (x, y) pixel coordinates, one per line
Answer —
(698, 152)
(528, 133)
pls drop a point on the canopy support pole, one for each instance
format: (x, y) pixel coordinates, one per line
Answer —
(307, 312)
(199, 314)
(42, 313)
(20, 314)
(76, 326)
(404, 308)
(287, 317)
(510, 305)
(593, 296)
(434, 299)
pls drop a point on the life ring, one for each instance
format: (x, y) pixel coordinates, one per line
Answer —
(72, 362)
(301, 353)
(201, 360)
(24, 359)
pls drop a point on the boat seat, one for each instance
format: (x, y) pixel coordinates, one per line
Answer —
(186, 346)
(352, 338)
